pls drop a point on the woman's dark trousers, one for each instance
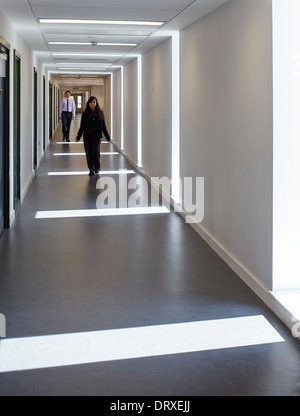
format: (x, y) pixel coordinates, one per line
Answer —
(92, 150)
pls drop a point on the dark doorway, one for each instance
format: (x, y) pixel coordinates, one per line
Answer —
(4, 136)
(35, 134)
(44, 112)
(17, 130)
(50, 111)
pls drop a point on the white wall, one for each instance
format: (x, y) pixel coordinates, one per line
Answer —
(27, 64)
(157, 110)
(226, 127)
(38, 65)
(286, 81)
(131, 110)
(98, 91)
(117, 107)
(107, 103)
(226, 134)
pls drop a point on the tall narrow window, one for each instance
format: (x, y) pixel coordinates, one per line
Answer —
(176, 117)
(286, 145)
(140, 112)
(112, 104)
(122, 108)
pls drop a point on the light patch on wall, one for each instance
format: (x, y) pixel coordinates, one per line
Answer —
(112, 104)
(139, 127)
(122, 107)
(176, 117)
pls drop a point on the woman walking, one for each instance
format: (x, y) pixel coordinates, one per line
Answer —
(92, 128)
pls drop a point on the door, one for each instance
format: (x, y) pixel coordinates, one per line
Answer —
(79, 101)
(4, 138)
(17, 131)
(35, 138)
(50, 111)
(44, 113)
(54, 99)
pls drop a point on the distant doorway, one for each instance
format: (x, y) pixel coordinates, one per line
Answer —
(79, 101)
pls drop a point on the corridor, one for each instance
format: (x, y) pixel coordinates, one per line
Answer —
(105, 290)
(87, 275)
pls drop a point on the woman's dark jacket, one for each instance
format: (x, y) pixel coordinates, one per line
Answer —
(92, 126)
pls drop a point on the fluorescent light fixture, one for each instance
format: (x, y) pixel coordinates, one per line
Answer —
(20, 354)
(90, 64)
(70, 43)
(82, 68)
(103, 172)
(82, 72)
(108, 212)
(116, 44)
(87, 54)
(90, 43)
(99, 22)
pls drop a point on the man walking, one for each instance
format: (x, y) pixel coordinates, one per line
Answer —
(67, 113)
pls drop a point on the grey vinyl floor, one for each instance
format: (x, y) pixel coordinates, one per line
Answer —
(78, 275)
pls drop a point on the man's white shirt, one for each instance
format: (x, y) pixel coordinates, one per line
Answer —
(68, 104)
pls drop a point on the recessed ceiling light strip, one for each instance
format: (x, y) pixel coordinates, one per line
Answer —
(85, 54)
(99, 22)
(92, 44)
(78, 64)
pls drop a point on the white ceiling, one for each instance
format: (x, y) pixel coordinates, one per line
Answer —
(25, 15)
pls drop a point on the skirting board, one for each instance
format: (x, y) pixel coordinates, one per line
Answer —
(27, 186)
(247, 277)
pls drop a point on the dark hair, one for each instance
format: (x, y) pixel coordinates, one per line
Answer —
(98, 110)
(68, 91)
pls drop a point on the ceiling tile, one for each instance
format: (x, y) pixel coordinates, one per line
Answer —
(92, 30)
(115, 4)
(101, 13)
(24, 15)
(84, 37)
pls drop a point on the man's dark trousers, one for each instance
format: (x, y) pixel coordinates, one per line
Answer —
(66, 124)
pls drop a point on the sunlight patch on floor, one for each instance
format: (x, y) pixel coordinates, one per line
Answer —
(101, 212)
(122, 344)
